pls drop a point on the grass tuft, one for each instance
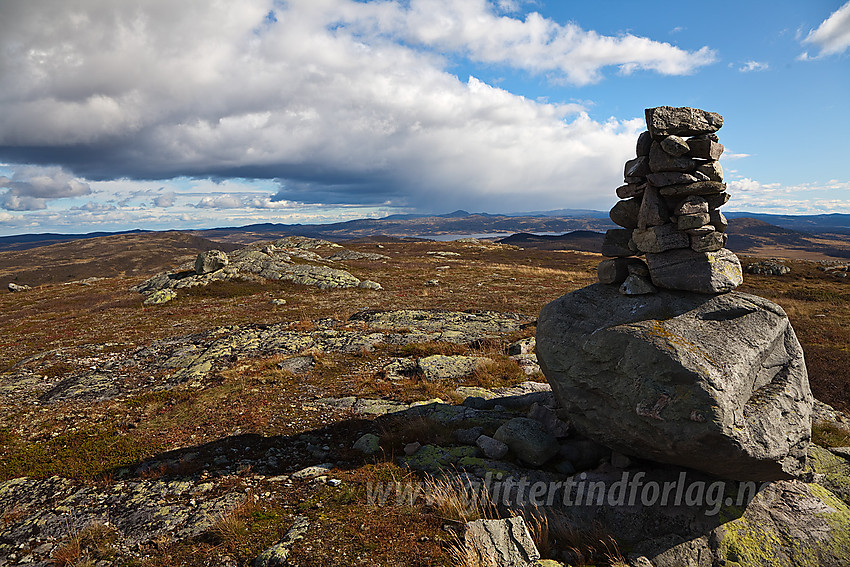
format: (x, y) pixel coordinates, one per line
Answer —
(457, 501)
(92, 544)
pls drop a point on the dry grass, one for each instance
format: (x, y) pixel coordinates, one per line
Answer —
(498, 372)
(230, 527)
(457, 501)
(538, 271)
(86, 547)
(421, 350)
(267, 405)
(460, 555)
(553, 533)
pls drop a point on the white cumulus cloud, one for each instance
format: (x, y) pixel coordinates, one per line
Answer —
(164, 200)
(832, 36)
(539, 44)
(750, 66)
(225, 201)
(30, 187)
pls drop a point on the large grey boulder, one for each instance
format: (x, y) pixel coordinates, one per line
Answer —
(210, 261)
(715, 383)
(689, 270)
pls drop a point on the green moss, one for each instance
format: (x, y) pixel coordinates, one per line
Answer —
(433, 459)
(7, 436)
(835, 469)
(747, 544)
(839, 521)
(750, 543)
(84, 454)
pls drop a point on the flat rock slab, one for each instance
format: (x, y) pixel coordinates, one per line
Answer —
(500, 543)
(452, 326)
(442, 367)
(714, 383)
(665, 121)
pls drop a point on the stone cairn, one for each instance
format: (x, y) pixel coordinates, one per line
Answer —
(670, 210)
(676, 366)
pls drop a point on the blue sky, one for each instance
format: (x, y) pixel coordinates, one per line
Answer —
(160, 115)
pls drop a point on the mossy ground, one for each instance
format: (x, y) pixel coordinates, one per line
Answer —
(255, 406)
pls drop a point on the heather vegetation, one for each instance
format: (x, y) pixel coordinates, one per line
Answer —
(90, 399)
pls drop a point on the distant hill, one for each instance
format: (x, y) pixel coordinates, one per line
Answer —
(423, 227)
(758, 238)
(746, 236)
(584, 240)
(818, 236)
(834, 223)
(128, 254)
(27, 241)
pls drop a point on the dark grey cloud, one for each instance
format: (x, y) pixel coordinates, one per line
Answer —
(343, 100)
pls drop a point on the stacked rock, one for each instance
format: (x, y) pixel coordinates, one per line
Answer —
(670, 210)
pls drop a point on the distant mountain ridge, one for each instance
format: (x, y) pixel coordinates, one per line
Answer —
(457, 222)
(747, 236)
(26, 241)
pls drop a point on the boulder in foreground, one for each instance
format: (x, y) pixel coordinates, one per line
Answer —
(714, 383)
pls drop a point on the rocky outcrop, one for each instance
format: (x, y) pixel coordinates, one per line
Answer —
(768, 268)
(288, 259)
(788, 520)
(305, 243)
(277, 555)
(140, 510)
(716, 383)
(14, 288)
(190, 359)
(343, 255)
